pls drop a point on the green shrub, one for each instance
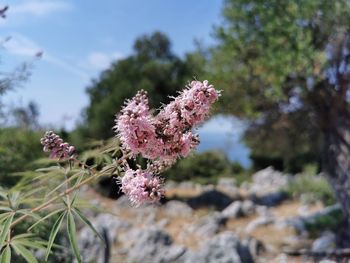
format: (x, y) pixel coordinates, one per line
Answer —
(313, 187)
(330, 222)
(18, 148)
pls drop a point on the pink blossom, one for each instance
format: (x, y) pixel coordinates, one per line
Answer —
(135, 127)
(168, 135)
(56, 147)
(141, 187)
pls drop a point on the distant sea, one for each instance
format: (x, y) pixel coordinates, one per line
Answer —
(224, 134)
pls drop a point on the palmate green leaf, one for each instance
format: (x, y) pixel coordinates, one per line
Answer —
(29, 213)
(23, 236)
(75, 194)
(5, 229)
(6, 255)
(5, 208)
(48, 176)
(45, 217)
(3, 193)
(49, 169)
(72, 235)
(33, 192)
(25, 253)
(28, 243)
(4, 216)
(87, 222)
(53, 233)
(14, 198)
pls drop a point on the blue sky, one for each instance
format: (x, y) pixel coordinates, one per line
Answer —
(81, 38)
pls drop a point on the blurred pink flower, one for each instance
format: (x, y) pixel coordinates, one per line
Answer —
(141, 187)
(56, 147)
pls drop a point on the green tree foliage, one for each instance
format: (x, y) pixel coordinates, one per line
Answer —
(18, 148)
(152, 67)
(270, 61)
(285, 66)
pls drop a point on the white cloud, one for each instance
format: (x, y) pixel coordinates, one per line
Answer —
(39, 8)
(100, 60)
(21, 45)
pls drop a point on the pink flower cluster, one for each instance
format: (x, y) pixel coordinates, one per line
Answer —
(56, 147)
(162, 138)
(136, 127)
(141, 186)
(168, 135)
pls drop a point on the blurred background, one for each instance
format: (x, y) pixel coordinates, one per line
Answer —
(259, 188)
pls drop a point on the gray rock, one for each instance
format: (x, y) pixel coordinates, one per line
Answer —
(239, 208)
(234, 210)
(268, 180)
(228, 185)
(324, 242)
(153, 245)
(227, 182)
(176, 208)
(209, 225)
(248, 208)
(223, 248)
(91, 247)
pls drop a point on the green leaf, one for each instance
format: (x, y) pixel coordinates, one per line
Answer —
(5, 208)
(28, 243)
(76, 191)
(49, 169)
(53, 233)
(6, 255)
(5, 230)
(23, 236)
(29, 213)
(25, 253)
(44, 218)
(4, 216)
(87, 222)
(72, 236)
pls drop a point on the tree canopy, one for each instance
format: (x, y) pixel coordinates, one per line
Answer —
(271, 59)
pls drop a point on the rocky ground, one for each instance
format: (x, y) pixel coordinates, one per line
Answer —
(223, 223)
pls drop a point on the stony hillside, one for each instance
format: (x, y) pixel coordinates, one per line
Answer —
(256, 222)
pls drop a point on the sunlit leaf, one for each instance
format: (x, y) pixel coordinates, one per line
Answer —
(5, 229)
(21, 236)
(49, 169)
(44, 218)
(87, 222)
(4, 216)
(5, 208)
(29, 213)
(6, 255)
(72, 236)
(29, 243)
(25, 253)
(76, 191)
(53, 233)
